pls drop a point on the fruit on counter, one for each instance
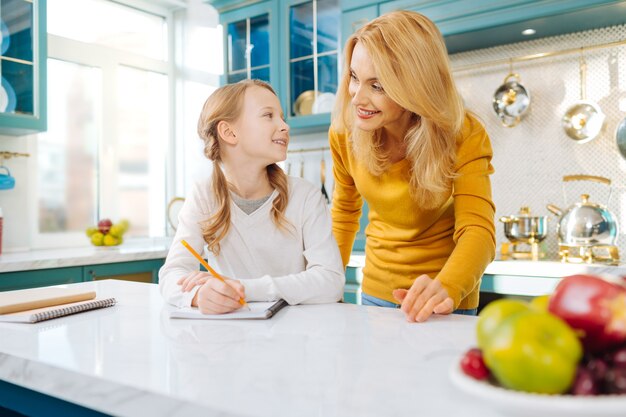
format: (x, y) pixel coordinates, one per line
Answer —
(540, 302)
(97, 239)
(107, 233)
(494, 314)
(473, 364)
(104, 225)
(594, 307)
(534, 351)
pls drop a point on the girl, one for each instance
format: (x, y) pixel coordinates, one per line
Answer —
(402, 140)
(269, 235)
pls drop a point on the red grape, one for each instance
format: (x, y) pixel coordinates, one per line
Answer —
(473, 364)
(585, 383)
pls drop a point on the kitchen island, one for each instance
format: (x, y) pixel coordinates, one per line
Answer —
(318, 360)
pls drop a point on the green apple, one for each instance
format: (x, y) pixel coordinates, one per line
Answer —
(534, 351)
(493, 314)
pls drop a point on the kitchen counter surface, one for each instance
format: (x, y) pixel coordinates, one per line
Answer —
(553, 269)
(317, 360)
(138, 250)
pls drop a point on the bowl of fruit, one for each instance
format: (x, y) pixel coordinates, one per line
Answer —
(107, 234)
(559, 355)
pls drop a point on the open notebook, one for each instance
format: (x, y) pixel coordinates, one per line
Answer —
(257, 311)
(37, 304)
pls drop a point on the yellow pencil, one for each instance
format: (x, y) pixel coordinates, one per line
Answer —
(211, 270)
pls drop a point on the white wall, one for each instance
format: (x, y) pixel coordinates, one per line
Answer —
(16, 204)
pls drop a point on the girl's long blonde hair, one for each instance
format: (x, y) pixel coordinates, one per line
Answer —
(225, 104)
(411, 62)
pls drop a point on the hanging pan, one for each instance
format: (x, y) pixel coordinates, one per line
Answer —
(511, 100)
(620, 137)
(583, 120)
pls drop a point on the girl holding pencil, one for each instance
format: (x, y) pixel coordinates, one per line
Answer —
(267, 234)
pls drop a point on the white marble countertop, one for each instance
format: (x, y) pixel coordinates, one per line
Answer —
(319, 360)
(131, 250)
(554, 269)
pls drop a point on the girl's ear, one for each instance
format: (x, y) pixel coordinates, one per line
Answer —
(226, 132)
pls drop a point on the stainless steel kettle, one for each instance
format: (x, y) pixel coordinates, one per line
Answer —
(585, 223)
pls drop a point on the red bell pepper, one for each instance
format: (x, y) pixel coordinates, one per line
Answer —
(594, 307)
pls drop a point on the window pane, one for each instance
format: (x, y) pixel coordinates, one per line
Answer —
(302, 94)
(327, 25)
(67, 152)
(142, 117)
(327, 74)
(259, 41)
(110, 24)
(261, 74)
(237, 46)
(301, 30)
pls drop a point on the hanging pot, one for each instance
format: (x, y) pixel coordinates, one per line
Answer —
(620, 137)
(583, 120)
(511, 100)
(585, 224)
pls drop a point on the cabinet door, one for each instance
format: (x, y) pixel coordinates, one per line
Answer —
(139, 271)
(40, 278)
(249, 37)
(311, 65)
(22, 66)
(353, 20)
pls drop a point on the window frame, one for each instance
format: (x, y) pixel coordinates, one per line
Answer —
(108, 59)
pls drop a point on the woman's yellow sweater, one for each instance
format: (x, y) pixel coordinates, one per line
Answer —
(453, 243)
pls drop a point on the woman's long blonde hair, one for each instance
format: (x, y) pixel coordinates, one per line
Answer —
(225, 104)
(411, 62)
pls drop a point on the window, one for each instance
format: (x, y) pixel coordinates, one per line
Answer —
(103, 155)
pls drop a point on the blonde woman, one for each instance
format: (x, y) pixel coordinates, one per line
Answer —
(268, 233)
(402, 141)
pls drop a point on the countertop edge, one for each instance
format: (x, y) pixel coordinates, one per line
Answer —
(86, 391)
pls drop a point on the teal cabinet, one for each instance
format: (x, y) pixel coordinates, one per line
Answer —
(310, 68)
(40, 278)
(293, 44)
(139, 271)
(250, 39)
(352, 289)
(468, 25)
(352, 20)
(23, 55)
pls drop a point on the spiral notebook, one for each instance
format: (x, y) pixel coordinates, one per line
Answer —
(47, 313)
(258, 310)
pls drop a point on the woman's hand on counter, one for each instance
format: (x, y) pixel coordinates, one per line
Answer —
(425, 297)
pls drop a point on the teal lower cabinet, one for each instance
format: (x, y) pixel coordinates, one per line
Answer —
(352, 289)
(40, 278)
(139, 271)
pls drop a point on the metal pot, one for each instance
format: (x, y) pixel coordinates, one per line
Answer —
(524, 228)
(585, 223)
(583, 120)
(511, 100)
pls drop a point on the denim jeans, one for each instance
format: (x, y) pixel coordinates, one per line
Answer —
(368, 300)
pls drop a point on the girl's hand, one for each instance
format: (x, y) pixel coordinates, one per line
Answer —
(217, 297)
(425, 297)
(193, 279)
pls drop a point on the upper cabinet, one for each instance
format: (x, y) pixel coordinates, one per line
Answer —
(476, 24)
(23, 55)
(302, 40)
(250, 36)
(311, 40)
